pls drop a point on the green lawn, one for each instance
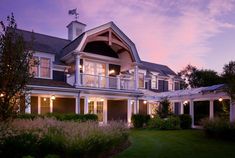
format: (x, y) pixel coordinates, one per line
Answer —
(176, 144)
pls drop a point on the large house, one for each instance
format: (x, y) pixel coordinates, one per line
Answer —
(96, 71)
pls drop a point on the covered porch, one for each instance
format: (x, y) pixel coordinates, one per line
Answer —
(198, 102)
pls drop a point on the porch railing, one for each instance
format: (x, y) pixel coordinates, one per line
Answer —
(98, 81)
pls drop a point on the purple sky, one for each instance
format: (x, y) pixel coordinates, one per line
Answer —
(175, 33)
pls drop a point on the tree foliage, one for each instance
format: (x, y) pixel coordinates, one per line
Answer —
(194, 77)
(16, 58)
(229, 78)
(164, 110)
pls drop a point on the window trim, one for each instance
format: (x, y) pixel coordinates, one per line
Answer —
(156, 82)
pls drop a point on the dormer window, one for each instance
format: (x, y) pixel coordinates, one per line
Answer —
(43, 69)
(154, 82)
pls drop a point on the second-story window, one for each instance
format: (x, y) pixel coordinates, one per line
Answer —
(154, 82)
(35, 69)
(45, 69)
(141, 80)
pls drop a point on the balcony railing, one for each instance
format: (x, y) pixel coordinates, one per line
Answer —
(98, 81)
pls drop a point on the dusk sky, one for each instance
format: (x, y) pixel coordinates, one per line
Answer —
(171, 32)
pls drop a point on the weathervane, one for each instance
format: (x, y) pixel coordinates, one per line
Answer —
(74, 12)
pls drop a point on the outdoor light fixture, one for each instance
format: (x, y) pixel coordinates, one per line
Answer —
(101, 99)
(80, 66)
(52, 97)
(112, 71)
(89, 101)
(44, 99)
(1, 95)
(145, 102)
(220, 99)
(185, 102)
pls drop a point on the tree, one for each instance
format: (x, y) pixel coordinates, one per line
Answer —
(164, 109)
(199, 77)
(16, 59)
(229, 79)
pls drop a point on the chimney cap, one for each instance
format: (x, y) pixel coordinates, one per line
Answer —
(75, 21)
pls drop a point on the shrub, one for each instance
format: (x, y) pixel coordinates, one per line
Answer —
(219, 128)
(73, 117)
(169, 123)
(26, 116)
(185, 121)
(49, 137)
(139, 120)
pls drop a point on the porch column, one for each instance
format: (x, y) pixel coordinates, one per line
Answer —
(105, 111)
(107, 76)
(28, 103)
(77, 106)
(136, 76)
(39, 105)
(211, 113)
(77, 71)
(129, 111)
(232, 111)
(191, 111)
(51, 105)
(136, 106)
(148, 109)
(181, 108)
(86, 105)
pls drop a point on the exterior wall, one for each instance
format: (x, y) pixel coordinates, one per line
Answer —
(64, 105)
(34, 105)
(117, 110)
(142, 108)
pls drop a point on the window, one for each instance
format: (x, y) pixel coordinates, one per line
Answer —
(154, 82)
(171, 85)
(91, 109)
(35, 68)
(177, 85)
(45, 105)
(94, 74)
(141, 80)
(45, 69)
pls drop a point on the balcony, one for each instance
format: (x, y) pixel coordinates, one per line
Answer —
(107, 82)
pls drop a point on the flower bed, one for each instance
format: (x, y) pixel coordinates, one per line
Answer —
(42, 137)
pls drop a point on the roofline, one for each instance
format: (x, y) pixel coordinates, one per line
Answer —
(44, 35)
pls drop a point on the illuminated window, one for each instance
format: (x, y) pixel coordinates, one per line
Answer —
(141, 80)
(91, 109)
(45, 69)
(154, 82)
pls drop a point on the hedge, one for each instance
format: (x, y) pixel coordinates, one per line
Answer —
(139, 120)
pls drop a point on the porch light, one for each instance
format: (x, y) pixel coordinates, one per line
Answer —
(80, 66)
(52, 97)
(44, 99)
(102, 99)
(89, 101)
(185, 102)
(112, 71)
(145, 102)
(220, 99)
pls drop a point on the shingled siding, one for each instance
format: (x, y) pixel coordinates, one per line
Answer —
(142, 107)
(117, 110)
(59, 76)
(64, 105)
